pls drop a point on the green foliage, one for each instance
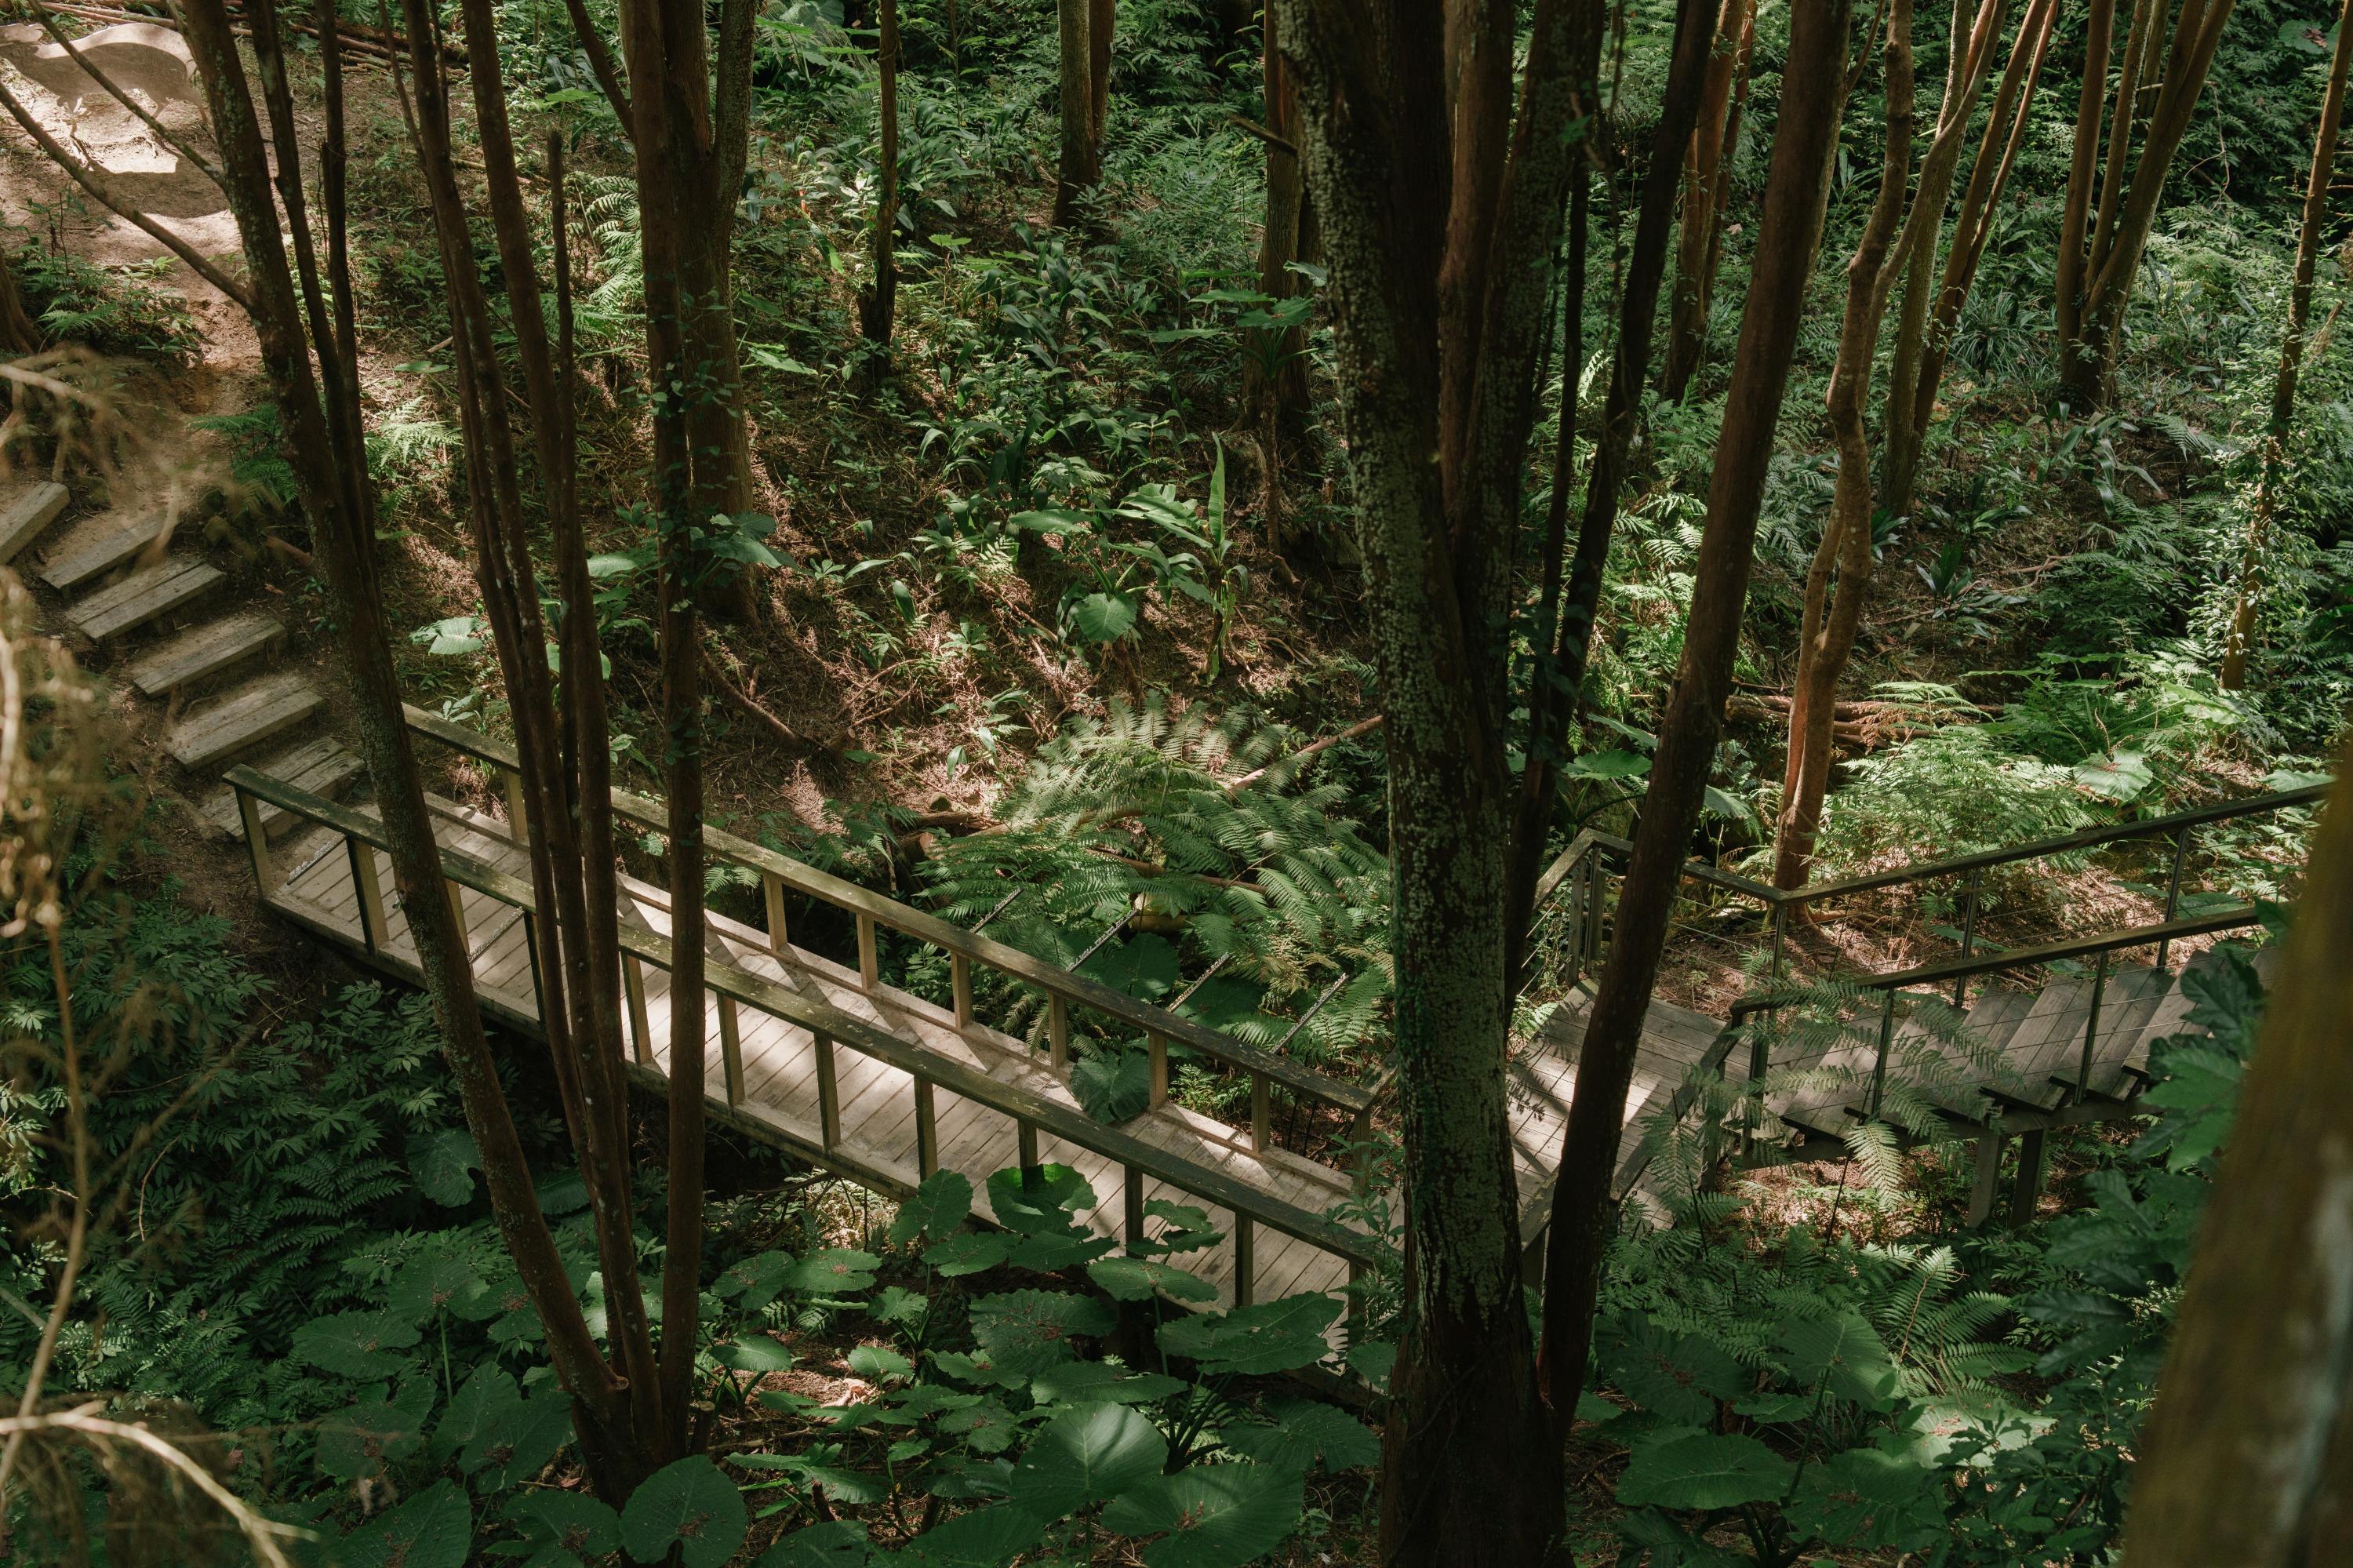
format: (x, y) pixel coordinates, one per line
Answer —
(112, 309)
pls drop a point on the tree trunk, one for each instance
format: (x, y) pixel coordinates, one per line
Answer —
(1102, 21)
(1706, 185)
(1081, 171)
(2248, 1456)
(876, 310)
(1972, 227)
(323, 430)
(1274, 406)
(2299, 314)
(17, 333)
(1885, 252)
(1796, 193)
(2097, 268)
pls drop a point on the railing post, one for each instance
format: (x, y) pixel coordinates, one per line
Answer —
(1780, 932)
(927, 1130)
(1989, 1176)
(256, 843)
(2173, 890)
(1157, 1044)
(772, 886)
(1879, 1067)
(1259, 1108)
(960, 982)
(633, 985)
(731, 1049)
(1058, 1036)
(1245, 1258)
(458, 914)
(2092, 1029)
(510, 781)
(1360, 1134)
(365, 888)
(1356, 1293)
(1132, 1191)
(829, 1094)
(531, 951)
(1025, 1139)
(1968, 933)
(869, 964)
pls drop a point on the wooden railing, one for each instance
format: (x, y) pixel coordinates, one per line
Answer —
(873, 911)
(929, 1071)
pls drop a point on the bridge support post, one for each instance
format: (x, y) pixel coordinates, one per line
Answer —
(2029, 1178)
(960, 982)
(510, 783)
(370, 893)
(829, 1094)
(1131, 1193)
(257, 842)
(731, 1049)
(869, 964)
(1989, 1148)
(1245, 1259)
(772, 886)
(1158, 1046)
(1025, 1138)
(1058, 1036)
(633, 985)
(927, 1130)
(1260, 1113)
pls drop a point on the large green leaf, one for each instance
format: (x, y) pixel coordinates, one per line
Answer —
(1213, 1516)
(1145, 967)
(357, 1441)
(752, 1352)
(1682, 1377)
(689, 1505)
(1868, 1498)
(935, 1210)
(479, 1400)
(443, 1164)
(571, 1522)
(1094, 1382)
(986, 1425)
(1703, 1471)
(969, 1251)
(1254, 1340)
(1655, 1540)
(357, 1344)
(753, 1282)
(1304, 1433)
(514, 1444)
(436, 1279)
(1114, 1087)
(1043, 1200)
(1104, 617)
(1026, 1331)
(835, 1271)
(1085, 1456)
(435, 1529)
(1139, 1279)
(1843, 1350)
(837, 1543)
(985, 1538)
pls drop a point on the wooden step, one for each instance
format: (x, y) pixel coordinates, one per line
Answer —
(2050, 1035)
(99, 545)
(205, 650)
(22, 519)
(2132, 997)
(321, 767)
(143, 595)
(246, 718)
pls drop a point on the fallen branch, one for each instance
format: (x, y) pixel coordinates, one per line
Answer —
(1362, 727)
(742, 702)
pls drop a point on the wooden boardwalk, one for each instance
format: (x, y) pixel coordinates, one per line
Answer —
(823, 1060)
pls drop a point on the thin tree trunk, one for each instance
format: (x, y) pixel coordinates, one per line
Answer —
(1272, 402)
(324, 437)
(1704, 188)
(2074, 218)
(1896, 232)
(1972, 227)
(1796, 190)
(2105, 276)
(876, 310)
(1102, 21)
(2248, 1456)
(1080, 171)
(17, 333)
(2299, 313)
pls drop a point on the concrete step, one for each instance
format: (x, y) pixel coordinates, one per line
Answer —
(144, 595)
(244, 718)
(203, 651)
(322, 767)
(99, 545)
(26, 515)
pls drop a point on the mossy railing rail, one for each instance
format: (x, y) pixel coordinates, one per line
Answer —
(873, 912)
(737, 991)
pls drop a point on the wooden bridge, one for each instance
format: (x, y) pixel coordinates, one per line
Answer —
(819, 1057)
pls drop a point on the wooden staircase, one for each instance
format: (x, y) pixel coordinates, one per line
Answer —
(146, 603)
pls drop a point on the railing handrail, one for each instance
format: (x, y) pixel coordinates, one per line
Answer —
(954, 939)
(1978, 860)
(820, 1018)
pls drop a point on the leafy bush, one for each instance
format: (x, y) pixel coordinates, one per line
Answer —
(1948, 792)
(113, 309)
